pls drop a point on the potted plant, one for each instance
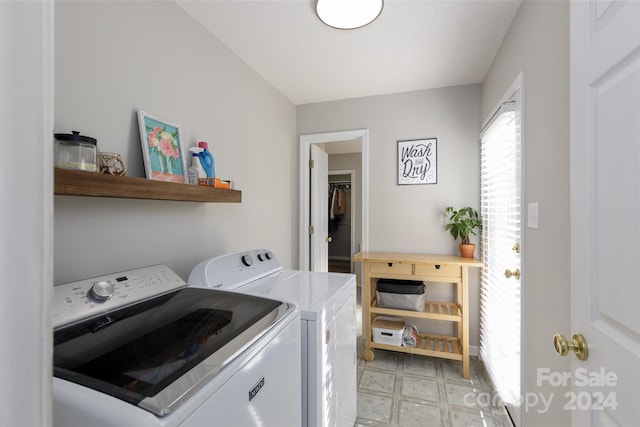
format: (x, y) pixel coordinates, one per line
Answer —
(462, 223)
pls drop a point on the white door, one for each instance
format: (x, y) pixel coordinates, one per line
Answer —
(605, 212)
(500, 301)
(319, 239)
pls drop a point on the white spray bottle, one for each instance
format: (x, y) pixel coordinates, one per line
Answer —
(195, 171)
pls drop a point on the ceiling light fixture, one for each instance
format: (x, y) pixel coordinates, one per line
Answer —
(348, 14)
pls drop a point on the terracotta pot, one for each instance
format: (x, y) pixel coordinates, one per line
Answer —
(467, 251)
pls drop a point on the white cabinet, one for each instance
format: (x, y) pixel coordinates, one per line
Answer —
(332, 347)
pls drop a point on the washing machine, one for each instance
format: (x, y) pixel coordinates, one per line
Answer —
(327, 303)
(140, 348)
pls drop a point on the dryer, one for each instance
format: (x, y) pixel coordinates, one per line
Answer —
(327, 303)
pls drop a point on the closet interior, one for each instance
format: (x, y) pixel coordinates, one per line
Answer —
(340, 223)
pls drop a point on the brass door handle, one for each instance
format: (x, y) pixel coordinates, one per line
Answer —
(515, 273)
(329, 239)
(577, 344)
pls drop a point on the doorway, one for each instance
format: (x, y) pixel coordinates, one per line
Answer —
(333, 143)
(355, 141)
(342, 219)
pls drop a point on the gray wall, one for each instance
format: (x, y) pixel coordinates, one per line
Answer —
(408, 218)
(538, 44)
(113, 58)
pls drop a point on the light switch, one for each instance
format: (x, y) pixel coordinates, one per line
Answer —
(533, 215)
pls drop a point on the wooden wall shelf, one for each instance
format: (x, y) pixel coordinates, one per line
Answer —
(69, 182)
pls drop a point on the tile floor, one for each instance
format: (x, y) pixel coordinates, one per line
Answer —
(401, 390)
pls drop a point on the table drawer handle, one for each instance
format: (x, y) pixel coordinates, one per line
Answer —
(390, 264)
(437, 266)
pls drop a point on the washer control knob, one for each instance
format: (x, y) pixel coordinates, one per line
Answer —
(268, 255)
(247, 260)
(101, 291)
(261, 257)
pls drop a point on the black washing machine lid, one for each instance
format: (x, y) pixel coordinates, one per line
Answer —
(138, 353)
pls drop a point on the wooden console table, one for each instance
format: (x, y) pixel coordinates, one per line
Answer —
(427, 268)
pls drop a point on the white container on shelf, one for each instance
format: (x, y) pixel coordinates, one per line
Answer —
(387, 330)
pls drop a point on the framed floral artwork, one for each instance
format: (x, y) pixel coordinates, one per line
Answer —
(162, 149)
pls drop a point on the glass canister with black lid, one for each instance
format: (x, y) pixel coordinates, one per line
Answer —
(75, 151)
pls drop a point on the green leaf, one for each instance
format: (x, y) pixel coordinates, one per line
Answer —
(462, 222)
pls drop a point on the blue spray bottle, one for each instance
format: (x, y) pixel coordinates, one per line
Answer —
(206, 159)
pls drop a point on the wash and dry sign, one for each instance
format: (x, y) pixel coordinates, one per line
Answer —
(418, 161)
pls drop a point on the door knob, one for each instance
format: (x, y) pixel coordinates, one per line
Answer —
(577, 344)
(515, 273)
(329, 239)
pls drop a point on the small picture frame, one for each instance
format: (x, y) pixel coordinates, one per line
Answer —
(418, 161)
(162, 149)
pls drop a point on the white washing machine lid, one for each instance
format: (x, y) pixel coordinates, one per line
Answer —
(156, 353)
(314, 293)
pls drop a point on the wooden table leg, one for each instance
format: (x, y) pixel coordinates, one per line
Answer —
(465, 323)
(366, 326)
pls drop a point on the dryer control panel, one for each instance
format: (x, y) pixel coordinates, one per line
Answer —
(231, 271)
(76, 301)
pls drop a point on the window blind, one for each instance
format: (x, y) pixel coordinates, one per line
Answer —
(500, 208)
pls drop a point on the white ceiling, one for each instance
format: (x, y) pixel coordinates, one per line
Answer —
(413, 45)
